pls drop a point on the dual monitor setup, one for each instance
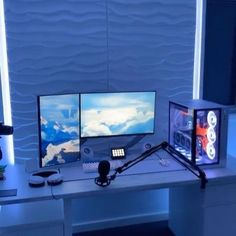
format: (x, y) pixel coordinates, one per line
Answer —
(65, 120)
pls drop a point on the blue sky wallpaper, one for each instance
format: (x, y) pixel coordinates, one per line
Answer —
(109, 114)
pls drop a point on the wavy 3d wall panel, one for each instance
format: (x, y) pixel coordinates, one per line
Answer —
(96, 45)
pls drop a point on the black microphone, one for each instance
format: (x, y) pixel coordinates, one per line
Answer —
(103, 170)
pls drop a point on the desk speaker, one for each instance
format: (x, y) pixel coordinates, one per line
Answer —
(87, 152)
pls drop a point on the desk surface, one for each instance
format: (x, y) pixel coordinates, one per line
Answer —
(16, 177)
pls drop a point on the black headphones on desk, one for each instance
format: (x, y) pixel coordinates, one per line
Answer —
(52, 177)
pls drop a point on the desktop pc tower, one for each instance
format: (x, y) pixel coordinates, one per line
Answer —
(198, 130)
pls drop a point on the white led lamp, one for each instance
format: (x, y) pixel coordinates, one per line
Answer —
(5, 85)
(199, 48)
(118, 153)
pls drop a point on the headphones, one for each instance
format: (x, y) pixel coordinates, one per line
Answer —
(52, 177)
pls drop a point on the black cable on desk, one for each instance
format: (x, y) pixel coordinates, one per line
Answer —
(53, 196)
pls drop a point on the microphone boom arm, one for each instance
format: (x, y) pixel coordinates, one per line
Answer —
(196, 170)
(138, 159)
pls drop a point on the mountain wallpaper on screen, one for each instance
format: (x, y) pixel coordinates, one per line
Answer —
(59, 129)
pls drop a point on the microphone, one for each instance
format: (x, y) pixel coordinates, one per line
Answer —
(103, 170)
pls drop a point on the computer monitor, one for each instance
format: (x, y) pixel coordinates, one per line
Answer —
(59, 139)
(117, 113)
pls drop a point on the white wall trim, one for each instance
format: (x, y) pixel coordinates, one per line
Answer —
(199, 48)
(5, 84)
(119, 221)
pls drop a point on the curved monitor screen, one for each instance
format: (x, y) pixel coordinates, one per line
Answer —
(59, 139)
(121, 113)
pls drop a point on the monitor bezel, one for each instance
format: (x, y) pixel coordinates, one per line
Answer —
(120, 135)
(39, 131)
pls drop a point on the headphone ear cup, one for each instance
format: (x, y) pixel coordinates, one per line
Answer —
(36, 181)
(55, 179)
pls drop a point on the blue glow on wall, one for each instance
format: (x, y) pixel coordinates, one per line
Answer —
(62, 46)
(70, 46)
(231, 135)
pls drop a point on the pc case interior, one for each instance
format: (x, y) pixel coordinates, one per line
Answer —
(196, 131)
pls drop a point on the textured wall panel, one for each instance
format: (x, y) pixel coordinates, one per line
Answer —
(53, 47)
(60, 46)
(151, 46)
(93, 45)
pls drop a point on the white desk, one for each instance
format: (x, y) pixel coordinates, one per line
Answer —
(184, 188)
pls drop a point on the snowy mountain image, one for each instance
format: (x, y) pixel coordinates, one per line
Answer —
(59, 126)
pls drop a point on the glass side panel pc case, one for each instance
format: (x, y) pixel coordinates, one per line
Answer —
(195, 130)
(117, 113)
(59, 141)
